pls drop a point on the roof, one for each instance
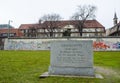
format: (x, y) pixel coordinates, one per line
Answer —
(62, 23)
(17, 31)
(118, 24)
(113, 29)
(93, 24)
(87, 24)
(27, 26)
(5, 26)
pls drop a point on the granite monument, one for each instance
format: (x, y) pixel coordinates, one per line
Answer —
(72, 57)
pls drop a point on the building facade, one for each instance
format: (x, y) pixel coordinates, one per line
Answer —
(9, 31)
(91, 28)
(115, 30)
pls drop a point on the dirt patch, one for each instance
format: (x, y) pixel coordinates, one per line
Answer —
(107, 71)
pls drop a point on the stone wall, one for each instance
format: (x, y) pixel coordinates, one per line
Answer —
(99, 44)
(1, 43)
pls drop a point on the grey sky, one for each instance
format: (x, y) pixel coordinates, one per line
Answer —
(29, 11)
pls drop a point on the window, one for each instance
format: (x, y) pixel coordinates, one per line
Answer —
(12, 34)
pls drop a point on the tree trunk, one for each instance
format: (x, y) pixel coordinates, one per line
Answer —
(51, 34)
(80, 30)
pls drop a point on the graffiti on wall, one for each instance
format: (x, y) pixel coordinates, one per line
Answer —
(106, 45)
(116, 45)
(98, 45)
(21, 45)
(31, 45)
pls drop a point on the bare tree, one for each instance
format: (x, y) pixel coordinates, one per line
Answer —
(50, 23)
(32, 32)
(82, 14)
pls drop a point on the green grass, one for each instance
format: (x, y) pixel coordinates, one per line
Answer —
(26, 66)
(107, 59)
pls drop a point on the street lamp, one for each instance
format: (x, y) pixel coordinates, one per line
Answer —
(9, 28)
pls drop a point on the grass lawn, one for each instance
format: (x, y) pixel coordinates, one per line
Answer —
(26, 66)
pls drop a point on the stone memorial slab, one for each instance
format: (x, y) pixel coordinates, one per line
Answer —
(71, 57)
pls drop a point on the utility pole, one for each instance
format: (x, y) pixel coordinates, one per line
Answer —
(9, 28)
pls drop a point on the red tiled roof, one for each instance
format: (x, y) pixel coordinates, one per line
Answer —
(18, 33)
(27, 26)
(93, 24)
(87, 24)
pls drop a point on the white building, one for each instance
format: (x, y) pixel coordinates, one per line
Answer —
(91, 28)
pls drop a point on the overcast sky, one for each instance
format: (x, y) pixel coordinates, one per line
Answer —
(29, 11)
